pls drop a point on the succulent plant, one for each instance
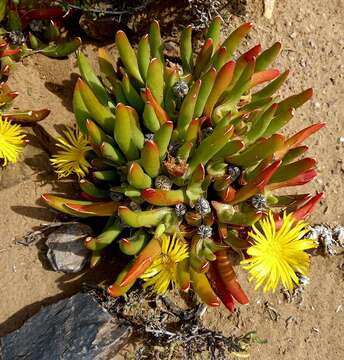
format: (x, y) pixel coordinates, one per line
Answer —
(191, 148)
(29, 29)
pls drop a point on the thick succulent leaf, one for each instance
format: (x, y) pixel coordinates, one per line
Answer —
(292, 170)
(162, 137)
(220, 58)
(294, 101)
(88, 74)
(302, 135)
(91, 189)
(159, 111)
(98, 112)
(128, 56)
(183, 275)
(96, 135)
(26, 117)
(95, 259)
(228, 276)
(137, 178)
(193, 130)
(227, 194)
(163, 197)
(58, 203)
(122, 132)
(115, 289)
(127, 190)
(143, 261)
(256, 105)
(234, 39)
(106, 208)
(184, 151)
(278, 122)
(271, 88)
(208, 80)
(202, 288)
(134, 244)
(257, 184)
(305, 210)
(294, 153)
(136, 132)
(106, 64)
(267, 57)
(203, 59)
(155, 41)
(258, 151)
(194, 188)
(118, 92)
(231, 98)
(264, 76)
(221, 183)
(214, 31)
(245, 59)
(61, 50)
(110, 152)
(186, 53)
(223, 79)
(187, 109)
(219, 288)
(105, 175)
(150, 120)
(3, 6)
(235, 242)
(150, 158)
(216, 168)
(7, 97)
(35, 42)
(155, 79)
(51, 32)
(210, 146)
(80, 110)
(232, 147)
(301, 179)
(104, 239)
(287, 200)
(260, 124)
(228, 215)
(130, 93)
(143, 55)
(147, 218)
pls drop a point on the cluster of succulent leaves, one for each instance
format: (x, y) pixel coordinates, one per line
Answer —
(191, 148)
(28, 27)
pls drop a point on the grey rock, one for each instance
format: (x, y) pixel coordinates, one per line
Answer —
(66, 250)
(77, 328)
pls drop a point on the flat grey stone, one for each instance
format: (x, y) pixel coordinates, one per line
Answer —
(77, 328)
(66, 250)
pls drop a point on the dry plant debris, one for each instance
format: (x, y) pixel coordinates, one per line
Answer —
(171, 332)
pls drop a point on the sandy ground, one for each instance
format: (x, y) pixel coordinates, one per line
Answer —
(312, 35)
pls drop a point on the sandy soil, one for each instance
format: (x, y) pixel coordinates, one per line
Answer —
(311, 33)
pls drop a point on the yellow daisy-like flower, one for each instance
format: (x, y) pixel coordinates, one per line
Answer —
(72, 156)
(277, 255)
(11, 141)
(163, 270)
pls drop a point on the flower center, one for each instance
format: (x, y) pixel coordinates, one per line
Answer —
(169, 264)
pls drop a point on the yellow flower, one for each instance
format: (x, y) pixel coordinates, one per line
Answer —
(163, 270)
(11, 141)
(277, 255)
(72, 156)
